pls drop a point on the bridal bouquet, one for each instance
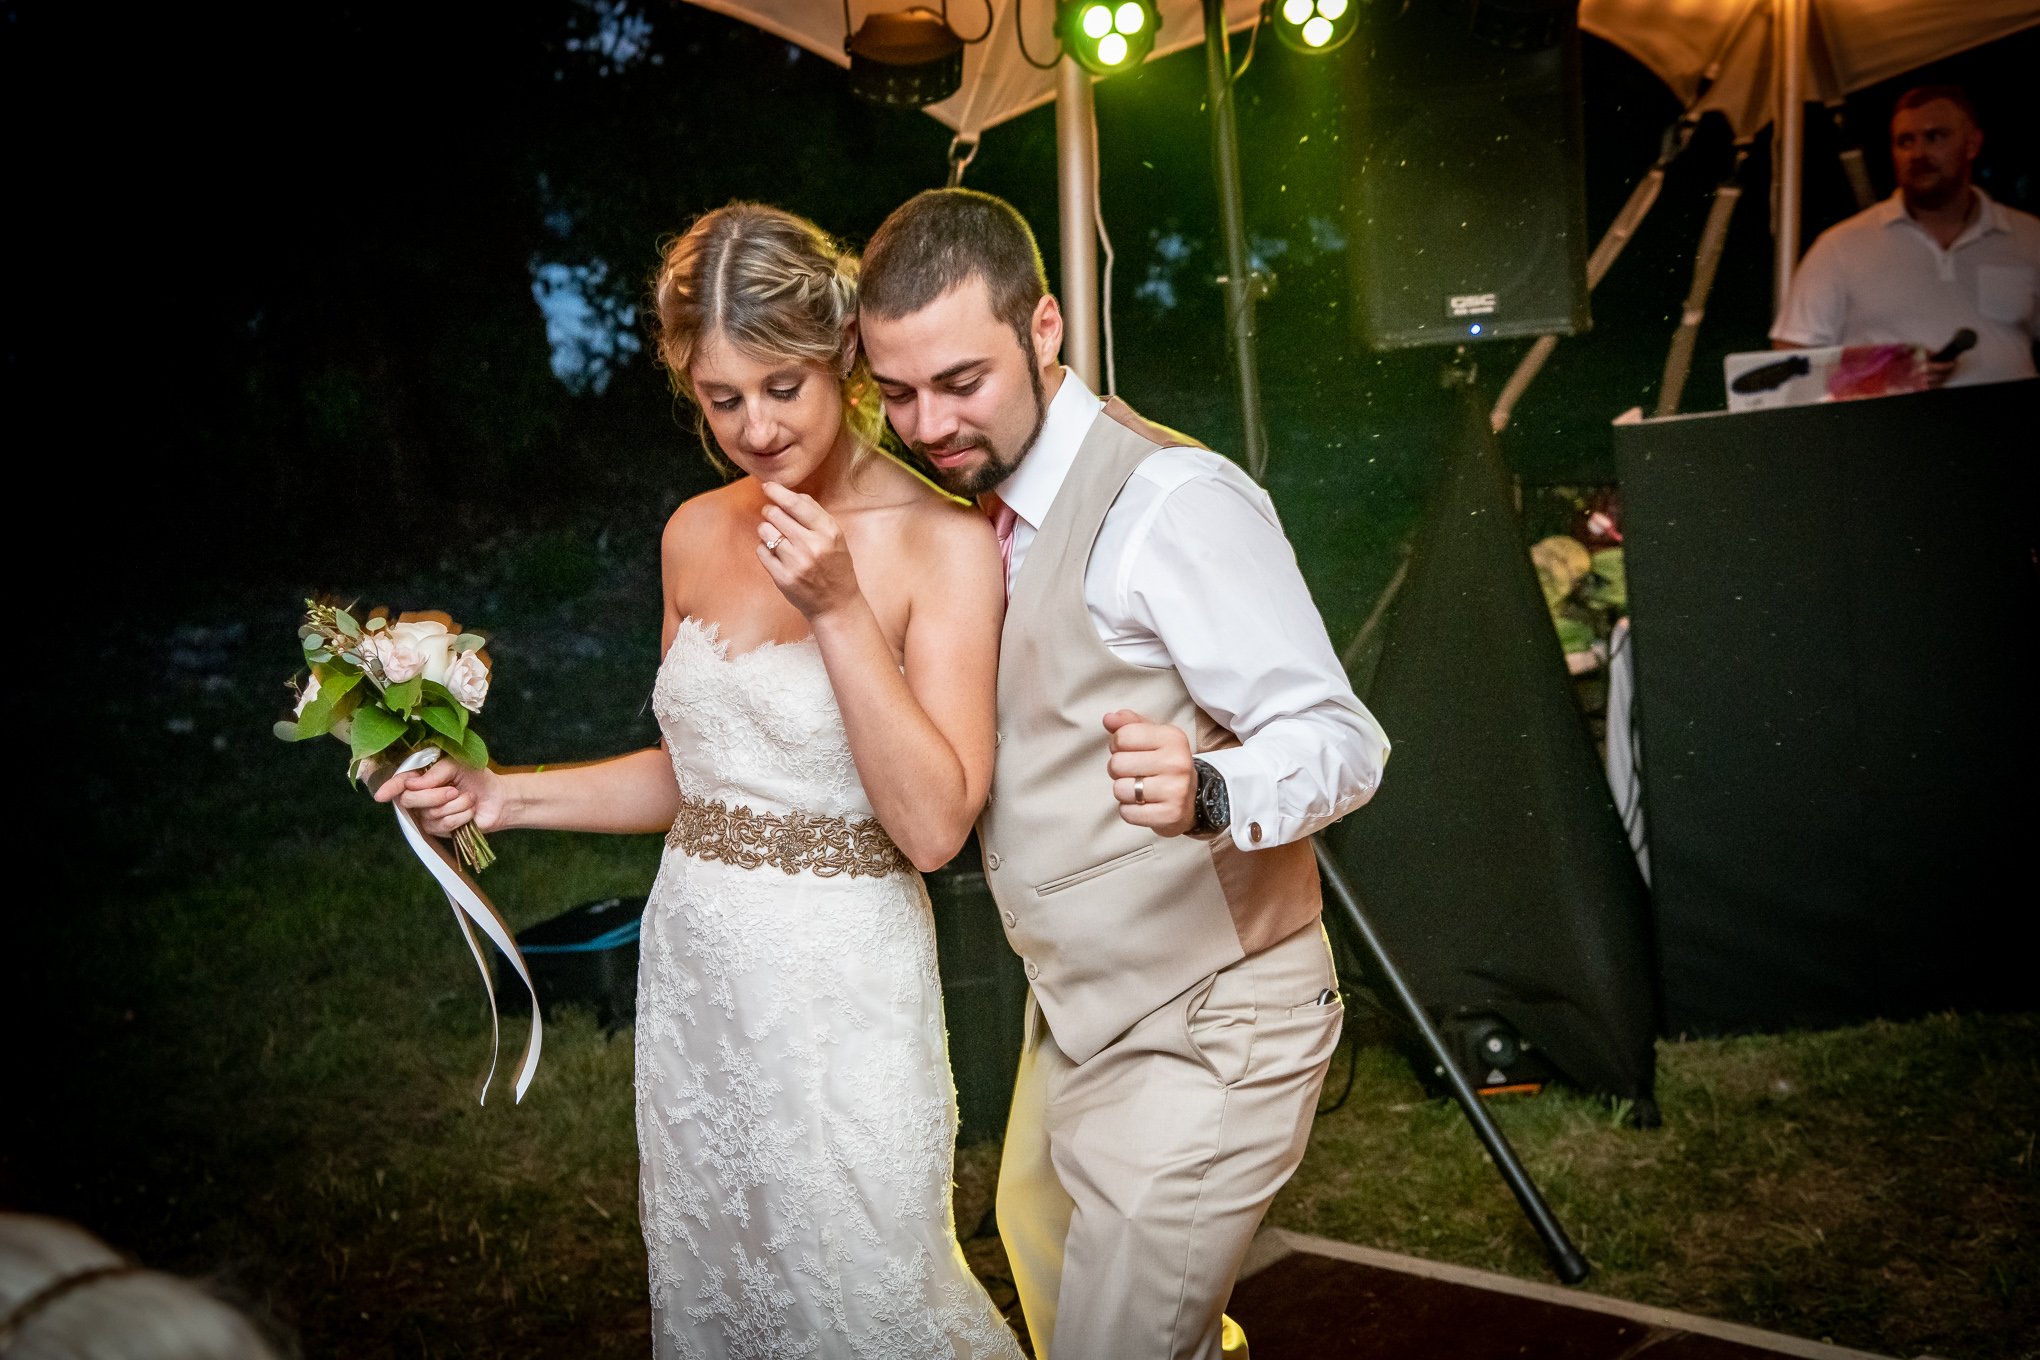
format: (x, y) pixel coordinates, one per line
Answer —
(393, 692)
(400, 695)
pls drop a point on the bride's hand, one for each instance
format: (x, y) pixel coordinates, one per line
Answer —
(446, 795)
(802, 548)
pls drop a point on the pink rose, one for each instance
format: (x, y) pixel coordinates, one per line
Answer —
(409, 650)
(467, 680)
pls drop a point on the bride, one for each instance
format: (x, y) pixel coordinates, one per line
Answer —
(826, 703)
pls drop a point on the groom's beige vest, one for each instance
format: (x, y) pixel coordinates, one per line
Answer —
(1110, 920)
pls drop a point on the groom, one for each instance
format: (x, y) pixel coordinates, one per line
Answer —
(1173, 725)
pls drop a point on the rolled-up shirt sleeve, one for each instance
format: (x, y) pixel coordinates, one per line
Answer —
(1208, 572)
(1816, 309)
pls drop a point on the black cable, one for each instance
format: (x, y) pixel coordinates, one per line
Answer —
(1020, 32)
(1253, 41)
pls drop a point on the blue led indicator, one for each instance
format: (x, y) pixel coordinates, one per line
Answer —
(1476, 328)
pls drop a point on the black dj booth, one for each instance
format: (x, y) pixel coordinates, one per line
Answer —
(1836, 613)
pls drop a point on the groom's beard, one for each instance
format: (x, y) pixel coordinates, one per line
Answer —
(997, 467)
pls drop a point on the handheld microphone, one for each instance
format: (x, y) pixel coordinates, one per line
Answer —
(1965, 340)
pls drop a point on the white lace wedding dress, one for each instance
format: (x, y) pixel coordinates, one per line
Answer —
(796, 1119)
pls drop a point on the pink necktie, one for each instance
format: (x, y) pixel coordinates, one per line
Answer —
(1003, 516)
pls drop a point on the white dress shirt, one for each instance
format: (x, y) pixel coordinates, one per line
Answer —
(1880, 278)
(1191, 570)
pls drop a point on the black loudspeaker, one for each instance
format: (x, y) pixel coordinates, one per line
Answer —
(1468, 203)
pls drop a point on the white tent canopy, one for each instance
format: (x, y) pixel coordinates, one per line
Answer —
(1748, 59)
(1727, 46)
(998, 82)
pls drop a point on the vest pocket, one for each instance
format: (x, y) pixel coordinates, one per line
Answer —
(1055, 885)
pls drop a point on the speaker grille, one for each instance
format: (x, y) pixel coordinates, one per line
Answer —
(1470, 221)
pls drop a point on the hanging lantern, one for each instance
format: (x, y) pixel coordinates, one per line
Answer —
(906, 59)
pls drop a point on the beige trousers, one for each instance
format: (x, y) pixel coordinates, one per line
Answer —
(1131, 1186)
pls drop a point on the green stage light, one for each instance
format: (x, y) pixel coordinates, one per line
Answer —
(1314, 27)
(1104, 39)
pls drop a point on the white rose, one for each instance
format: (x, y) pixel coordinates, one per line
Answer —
(468, 680)
(307, 694)
(408, 650)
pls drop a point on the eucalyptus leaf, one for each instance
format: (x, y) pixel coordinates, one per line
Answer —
(346, 623)
(468, 642)
(312, 639)
(374, 729)
(286, 731)
(319, 658)
(376, 622)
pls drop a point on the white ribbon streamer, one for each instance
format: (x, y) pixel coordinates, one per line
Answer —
(469, 904)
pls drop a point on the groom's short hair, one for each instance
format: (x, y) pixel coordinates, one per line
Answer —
(936, 241)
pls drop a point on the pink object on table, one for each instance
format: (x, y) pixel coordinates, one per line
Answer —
(1877, 371)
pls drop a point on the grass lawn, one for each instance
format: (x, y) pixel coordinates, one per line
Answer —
(270, 1075)
(247, 1038)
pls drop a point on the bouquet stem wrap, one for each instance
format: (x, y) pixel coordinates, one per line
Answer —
(472, 908)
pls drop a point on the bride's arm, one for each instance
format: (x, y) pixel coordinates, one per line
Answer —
(633, 793)
(629, 794)
(922, 740)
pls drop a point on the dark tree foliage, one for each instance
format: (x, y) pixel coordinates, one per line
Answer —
(301, 242)
(275, 264)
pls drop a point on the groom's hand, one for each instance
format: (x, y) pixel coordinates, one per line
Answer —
(1153, 760)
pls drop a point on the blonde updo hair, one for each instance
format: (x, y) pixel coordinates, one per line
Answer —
(775, 286)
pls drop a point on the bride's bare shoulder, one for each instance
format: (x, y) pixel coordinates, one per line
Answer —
(707, 516)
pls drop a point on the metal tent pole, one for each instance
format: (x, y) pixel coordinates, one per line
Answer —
(1076, 172)
(1713, 239)
(1241, 285)
(1788, 135)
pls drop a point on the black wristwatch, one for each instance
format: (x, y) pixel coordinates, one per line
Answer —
(1214, 808)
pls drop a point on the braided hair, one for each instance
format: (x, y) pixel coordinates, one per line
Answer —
(775, 286)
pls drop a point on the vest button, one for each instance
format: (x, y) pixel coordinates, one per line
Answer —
(1032, 971)
(992, 858)
(1012, 921)
(1254, 832)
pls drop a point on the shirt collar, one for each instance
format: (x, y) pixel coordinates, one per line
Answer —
(1989, 216)
(1033, 486)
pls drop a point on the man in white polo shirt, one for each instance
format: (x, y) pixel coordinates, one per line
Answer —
(1937, 257)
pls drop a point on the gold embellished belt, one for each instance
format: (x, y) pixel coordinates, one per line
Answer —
(788, 841)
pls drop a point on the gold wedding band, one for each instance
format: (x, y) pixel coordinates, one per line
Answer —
(1139, 794)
